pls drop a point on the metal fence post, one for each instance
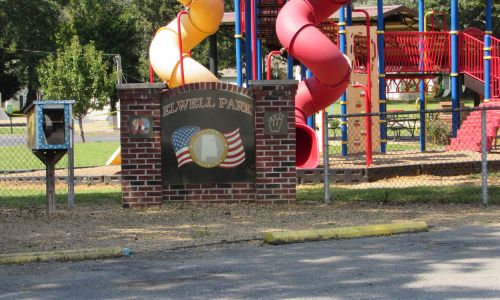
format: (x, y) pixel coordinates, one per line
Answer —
(71, 167)
(484, 161)
(326, 162)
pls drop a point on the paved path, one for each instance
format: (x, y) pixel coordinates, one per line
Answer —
(458, 263)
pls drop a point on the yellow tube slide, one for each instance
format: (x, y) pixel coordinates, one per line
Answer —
(203, 19)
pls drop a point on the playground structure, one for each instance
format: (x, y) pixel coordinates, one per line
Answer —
(408, 61)
(404, 59)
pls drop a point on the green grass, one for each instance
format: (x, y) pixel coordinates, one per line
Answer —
(15, 130)
(86, 155)
(439, 194)
(35, 197)
(403, 105)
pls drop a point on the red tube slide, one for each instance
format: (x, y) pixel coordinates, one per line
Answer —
(297, 32)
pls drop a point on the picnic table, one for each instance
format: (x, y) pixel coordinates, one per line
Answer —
(399, 123)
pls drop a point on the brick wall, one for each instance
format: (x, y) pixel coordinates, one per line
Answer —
(141, 157)
(275, 154)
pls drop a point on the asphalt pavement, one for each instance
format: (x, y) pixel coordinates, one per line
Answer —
(445, 263)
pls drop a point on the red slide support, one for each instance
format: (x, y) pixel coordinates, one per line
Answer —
(297, 32)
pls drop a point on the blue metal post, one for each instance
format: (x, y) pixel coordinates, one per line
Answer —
(349, 15)
(311, 120)
(381, 75)
(259, 44)
(238, 36)
(421, 29)
(487, 52)
(248, 41)
(343, 98)
(455, 84)
(290, 66)
(259, 59)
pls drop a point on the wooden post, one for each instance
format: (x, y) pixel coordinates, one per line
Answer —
(51, 183)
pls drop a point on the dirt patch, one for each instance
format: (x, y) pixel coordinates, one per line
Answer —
(180, 225)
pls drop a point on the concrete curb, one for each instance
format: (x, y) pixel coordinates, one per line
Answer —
(63, 255)
(287, 237)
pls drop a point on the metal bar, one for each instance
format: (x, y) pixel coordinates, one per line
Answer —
(179, 37)
(326, 161)
(259, 59)
(253, 22)
(484, 158)
(411, 112)
(487, 51)
(151, 74)
(290, 66)
(421, 28)
(237, 35)
(213, 53)
(311, 120)
(343, 98)
(269, 60)
(381, 71)
(455, 84)
(71, 166)
(248, 41)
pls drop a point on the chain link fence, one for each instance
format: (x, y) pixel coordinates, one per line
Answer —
(22, 174)
(411, 162)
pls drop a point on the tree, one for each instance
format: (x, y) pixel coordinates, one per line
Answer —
(25, 25)
(80, 73)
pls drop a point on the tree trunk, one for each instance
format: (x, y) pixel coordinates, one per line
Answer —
(80, 124)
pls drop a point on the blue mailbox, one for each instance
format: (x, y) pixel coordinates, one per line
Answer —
(49, 125)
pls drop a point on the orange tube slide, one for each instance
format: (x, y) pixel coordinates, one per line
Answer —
(203, 19)
(297, 32)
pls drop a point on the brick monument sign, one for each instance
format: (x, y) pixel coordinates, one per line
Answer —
(208, 142)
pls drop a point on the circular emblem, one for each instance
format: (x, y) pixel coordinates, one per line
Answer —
(208, 148)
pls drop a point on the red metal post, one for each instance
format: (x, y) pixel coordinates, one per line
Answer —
(254, 40)
(268, 61)
(151, 74)
(368, 123)
(368, 55)
(181, 57)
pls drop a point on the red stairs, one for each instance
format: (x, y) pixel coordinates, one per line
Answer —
(469, 135)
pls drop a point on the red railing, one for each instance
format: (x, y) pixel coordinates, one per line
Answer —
(413, 52)
(472, 60)
(360, 56)
(331, 30)
(495, 67)
(411, 84)
(471, 56)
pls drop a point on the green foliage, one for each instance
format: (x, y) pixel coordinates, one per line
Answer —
(80, 73)
(25, 24)
(438, 132)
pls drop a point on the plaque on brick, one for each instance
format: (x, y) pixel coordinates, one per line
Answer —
(276, 122)
(207, 136)
(140, 126)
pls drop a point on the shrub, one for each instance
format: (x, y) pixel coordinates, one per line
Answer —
(438, 132)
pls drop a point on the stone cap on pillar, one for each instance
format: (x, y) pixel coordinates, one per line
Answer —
(128, 86)
(272, 82)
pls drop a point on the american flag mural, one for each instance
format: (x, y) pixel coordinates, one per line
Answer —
(182, 137)
(180, 140)
(235, 152)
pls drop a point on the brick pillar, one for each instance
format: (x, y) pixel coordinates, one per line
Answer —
(275, 152)
(141, 157)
